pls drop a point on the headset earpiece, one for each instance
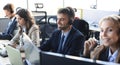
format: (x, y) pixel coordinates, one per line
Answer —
(70, 22)
(69, 14)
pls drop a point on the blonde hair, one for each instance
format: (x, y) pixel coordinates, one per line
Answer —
(113, 18)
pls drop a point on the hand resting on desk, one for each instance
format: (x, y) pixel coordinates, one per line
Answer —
(3, 51)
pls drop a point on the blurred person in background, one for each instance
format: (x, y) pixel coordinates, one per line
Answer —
(11, 29)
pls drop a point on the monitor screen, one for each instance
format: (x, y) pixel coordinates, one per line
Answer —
(57, 59)
(31, 51)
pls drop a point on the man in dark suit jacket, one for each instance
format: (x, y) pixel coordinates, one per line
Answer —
(74, 40)
(12, 25)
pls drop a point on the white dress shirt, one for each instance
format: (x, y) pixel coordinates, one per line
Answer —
(112, 57)
(66, 35)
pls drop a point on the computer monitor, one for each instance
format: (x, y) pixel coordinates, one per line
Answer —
(50, 58)
(14, 56)
(97, 62)
(57, 59)
(31, 51)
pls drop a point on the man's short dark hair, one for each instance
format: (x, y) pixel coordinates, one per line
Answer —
(68, 10)
(9, 7)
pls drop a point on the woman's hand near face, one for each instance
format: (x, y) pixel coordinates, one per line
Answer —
(12, 44)
(89, 45)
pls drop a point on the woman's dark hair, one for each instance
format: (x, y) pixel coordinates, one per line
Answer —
(24, 13)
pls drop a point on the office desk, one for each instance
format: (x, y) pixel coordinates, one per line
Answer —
(93, 28)
(4, 60)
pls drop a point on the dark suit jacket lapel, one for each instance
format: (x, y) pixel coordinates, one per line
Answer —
(68, 40)
(104, 55)
(59, 37)
(12, 25)
(56, 40)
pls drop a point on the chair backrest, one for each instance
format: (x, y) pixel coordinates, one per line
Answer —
(48, 28)
(82, 26)
(41, 20)
(52, 25)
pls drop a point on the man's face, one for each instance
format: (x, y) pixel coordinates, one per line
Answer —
(8, 14)
(62, 21)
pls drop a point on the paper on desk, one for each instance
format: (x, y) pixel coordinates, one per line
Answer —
(0, 63)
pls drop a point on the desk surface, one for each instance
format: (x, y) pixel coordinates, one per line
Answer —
(4, 61)
(94, 28)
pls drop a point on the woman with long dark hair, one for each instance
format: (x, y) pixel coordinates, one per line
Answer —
(26, 25)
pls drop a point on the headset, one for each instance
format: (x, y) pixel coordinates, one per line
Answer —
(70, 22)
(70, 14)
